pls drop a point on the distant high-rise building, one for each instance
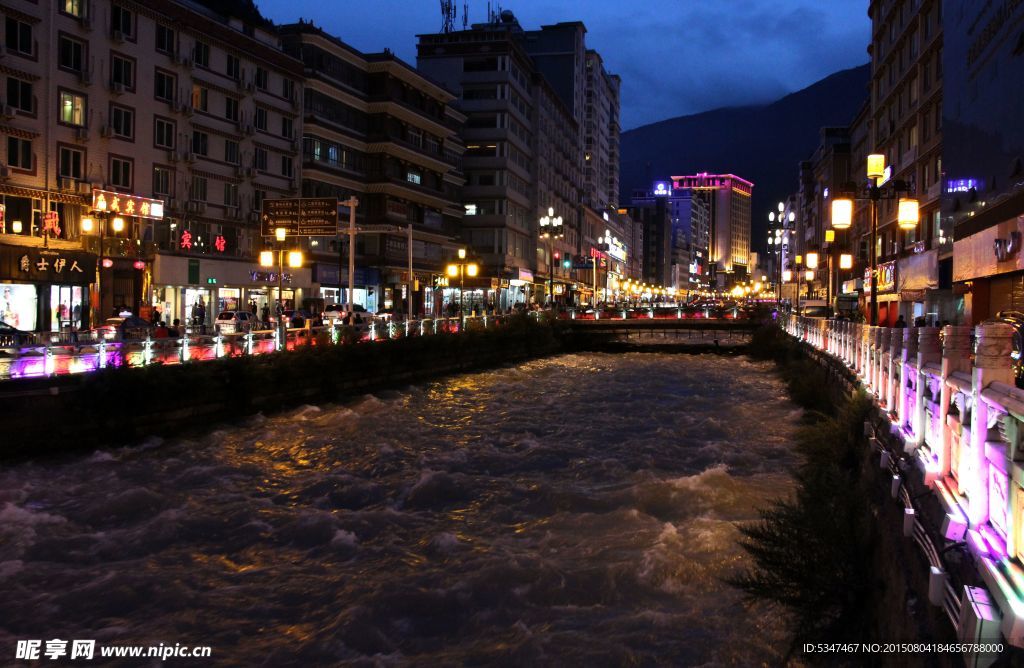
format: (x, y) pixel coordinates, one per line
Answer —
(525, 94)
(689, 229)
(601, 136)
(729, 227)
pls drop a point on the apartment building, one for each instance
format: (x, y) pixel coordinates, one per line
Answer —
(377, 129)
(728, 197)
(906, 126)
(162, 127)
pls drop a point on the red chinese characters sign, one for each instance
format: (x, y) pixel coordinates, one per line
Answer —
(127, 205)
(220, 243)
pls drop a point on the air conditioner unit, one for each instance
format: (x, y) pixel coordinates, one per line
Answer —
(250, 172)
(172, 156)
(9, 111)
(107, 131)
(5, 172)
(117, 35)
(84, 188)
(190, 156)
(85, 77)
(65, 183)
(82, 134)
(171, 203)
(117, 88)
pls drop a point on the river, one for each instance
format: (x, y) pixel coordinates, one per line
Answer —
(575, 510)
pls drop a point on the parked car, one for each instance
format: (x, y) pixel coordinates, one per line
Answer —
(338, 311)
(234, 322)
(12, 337)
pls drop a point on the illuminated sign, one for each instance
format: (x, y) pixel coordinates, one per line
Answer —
(128, 205)
(186, 240)
(886, 175)
(661, 189)
(963, 185)
(886, 277)
(220, 243)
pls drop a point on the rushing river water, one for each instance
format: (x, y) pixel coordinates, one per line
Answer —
(577, 510)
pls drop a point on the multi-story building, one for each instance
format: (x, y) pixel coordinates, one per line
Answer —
(163, 127)
(728, 197)
(688, 235)
(825, 173)
(984, 162)
(652, 211)
(524, 94)
(906, 125)
(601, 136)
(377, 129)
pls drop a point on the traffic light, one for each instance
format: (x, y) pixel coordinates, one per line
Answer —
(567, 262)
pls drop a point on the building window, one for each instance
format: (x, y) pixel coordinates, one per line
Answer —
(161, 181)
(164, 39)
(122, 120)
(201, 54)
(163, 133)
(413, 176)
(19, 37)
(257, 199)
(70, 54)
(261, 118)
(234, 68)
(72, 108)
(70, 162)
(122, 71)
(122, 21)
(261, 78)
(19, 153)
(231, 108)
(200, 143)
(230, 194)
(121, 173)
(72, 7)
(199, 188)
(19, 94)
(164, 85)
(286, 127)
(287, 89)
(200, 97)
(259, 160)
(286, 166)
(231, 151)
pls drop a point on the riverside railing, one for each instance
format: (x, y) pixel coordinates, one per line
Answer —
(959, 421)
(83, 357)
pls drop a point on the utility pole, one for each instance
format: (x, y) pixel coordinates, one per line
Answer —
(412, 281)
(351, 203)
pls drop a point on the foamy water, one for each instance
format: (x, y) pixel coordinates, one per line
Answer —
(578, 510)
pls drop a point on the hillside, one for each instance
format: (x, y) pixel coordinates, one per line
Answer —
(763, 144)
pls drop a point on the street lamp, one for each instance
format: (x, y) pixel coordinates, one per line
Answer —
(551, 229)
(294, 262)
(462, 269)
(907, 213)
(89, 225)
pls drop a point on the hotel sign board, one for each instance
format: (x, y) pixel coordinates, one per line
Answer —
(300, 216)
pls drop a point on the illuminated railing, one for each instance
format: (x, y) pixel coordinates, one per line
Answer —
(71, 358)
(959, 420)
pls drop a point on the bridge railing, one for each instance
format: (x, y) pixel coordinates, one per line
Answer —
(70, 358)
(960, 421)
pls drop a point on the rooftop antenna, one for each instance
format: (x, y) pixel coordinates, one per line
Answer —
(447, 16)
(465, 15)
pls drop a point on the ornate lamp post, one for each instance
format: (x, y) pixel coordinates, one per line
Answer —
(907, 214)
(294, 262)
(551, 229)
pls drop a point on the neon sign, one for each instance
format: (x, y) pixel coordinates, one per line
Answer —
(129, 205)
(661, 189)
(963, 185)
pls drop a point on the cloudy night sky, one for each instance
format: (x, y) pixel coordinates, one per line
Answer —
(676, 57)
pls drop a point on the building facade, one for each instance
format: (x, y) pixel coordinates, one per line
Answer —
(728, 197)
(376, 129)
(906, 126)
(112, 104)
(983, 200)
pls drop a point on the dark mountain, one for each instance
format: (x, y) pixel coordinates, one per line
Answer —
(763, 144)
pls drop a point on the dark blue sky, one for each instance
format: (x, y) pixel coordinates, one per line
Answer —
(675, 57)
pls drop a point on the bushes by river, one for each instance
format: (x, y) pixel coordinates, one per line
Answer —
(814, 554)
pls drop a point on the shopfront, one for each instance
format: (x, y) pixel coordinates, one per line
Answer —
(45, 289)
(888, 296)
(194, 290)
(366, 279)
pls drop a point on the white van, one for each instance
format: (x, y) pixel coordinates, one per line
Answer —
(815, 308)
